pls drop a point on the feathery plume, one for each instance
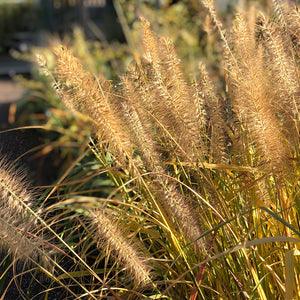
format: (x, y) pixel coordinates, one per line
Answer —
(179, 206)
(168, 196)
(140, 127)
(151, 44)
(95, 99)
(17, 223)
(210, 6)
(284, 78)
(215, 113)
(133, 261)
(252, 98)
(171, 98)
(293, 23)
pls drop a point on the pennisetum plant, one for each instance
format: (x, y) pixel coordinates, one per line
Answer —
(206, 199)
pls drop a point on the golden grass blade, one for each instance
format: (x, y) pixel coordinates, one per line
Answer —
(289, 273)
(242, 246)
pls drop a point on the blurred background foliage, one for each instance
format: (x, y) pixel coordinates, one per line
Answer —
(15, 18)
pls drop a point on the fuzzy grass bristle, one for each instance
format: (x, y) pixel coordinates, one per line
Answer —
(95, 99)
(107, 231)
(18, 224)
